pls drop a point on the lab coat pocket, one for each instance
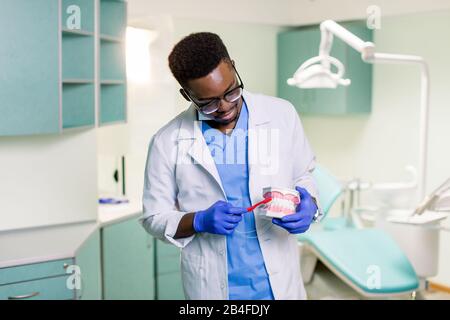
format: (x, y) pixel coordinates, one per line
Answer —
(193, 274)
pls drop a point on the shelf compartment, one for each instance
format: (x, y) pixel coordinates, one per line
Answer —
(111, 38)
(112, 61)
(77, 56)
(77, 32)
(113, 18)
(86, 15)
(112, 103)
(112, 82)
(77, 81)
(78, 105)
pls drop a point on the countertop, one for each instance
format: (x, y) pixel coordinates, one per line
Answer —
(113, 213)
(33, 245)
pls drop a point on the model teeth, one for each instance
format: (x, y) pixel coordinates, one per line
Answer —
(284, 201)
(282, 205)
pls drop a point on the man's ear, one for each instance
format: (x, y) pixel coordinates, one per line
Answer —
(184, 94)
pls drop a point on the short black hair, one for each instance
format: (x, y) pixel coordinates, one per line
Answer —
(196, 55)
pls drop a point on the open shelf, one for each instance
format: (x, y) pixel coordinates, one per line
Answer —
(112, 103)
(77, 81)
(77, 56)
(77, 32)
(112, 82)
(71, 55)
(104, 37)
(86, 15)
(78, 105)
(113, 18)
(112, 61)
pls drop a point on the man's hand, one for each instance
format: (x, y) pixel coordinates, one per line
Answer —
(220, 218)
(299, 221)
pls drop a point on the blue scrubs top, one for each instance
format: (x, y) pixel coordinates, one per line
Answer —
(247, 274)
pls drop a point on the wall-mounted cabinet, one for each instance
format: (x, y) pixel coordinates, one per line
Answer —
(58, 60)
(29, 56)
(78, 103)
(113, 98)
(297, 45)
(112, 62)
(112, 55)
(113, 18)
(78, 58)
(86, 10)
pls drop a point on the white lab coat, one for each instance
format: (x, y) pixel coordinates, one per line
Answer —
(181, 177)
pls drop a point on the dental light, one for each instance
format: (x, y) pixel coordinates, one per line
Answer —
(316, 73)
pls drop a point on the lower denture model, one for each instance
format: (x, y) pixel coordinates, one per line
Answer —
(284, 201)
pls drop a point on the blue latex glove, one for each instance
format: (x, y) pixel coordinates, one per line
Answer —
(299, 221)
(220, 218)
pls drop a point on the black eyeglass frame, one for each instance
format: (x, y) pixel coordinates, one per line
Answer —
(199, 107)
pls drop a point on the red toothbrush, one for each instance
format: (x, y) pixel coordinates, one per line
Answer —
(253, 207)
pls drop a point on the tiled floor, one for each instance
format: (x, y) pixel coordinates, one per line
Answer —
(325, 285)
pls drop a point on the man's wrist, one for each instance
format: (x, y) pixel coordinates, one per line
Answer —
(185, 226)
(196, 222)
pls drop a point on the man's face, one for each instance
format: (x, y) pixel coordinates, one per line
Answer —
(215, 84)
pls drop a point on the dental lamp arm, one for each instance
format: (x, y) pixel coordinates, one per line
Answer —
(329, 28)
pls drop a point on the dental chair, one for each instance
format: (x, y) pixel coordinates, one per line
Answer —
(366, 259)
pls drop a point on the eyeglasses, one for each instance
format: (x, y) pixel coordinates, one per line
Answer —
(212, 105)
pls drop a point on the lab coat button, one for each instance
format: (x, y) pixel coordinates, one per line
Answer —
(222, 285)
(222, 252)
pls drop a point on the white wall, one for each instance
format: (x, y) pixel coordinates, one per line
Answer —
(376, 147)
(278, 12)
(48, 179)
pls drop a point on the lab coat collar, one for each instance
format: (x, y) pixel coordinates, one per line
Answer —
(257, 114)
(190, 125)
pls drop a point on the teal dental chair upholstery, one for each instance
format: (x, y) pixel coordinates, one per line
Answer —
(368, 259)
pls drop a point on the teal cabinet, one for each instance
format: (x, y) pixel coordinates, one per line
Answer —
(77, 63)
(170, 286)
(86, 10)
(51, 79)
(168, 274)
(41, 289)
(88, 260)
(128, 261)
(79, 105)
(47, 280)
(113, 21)
(297, 45)
(113, 99)
(29, 55)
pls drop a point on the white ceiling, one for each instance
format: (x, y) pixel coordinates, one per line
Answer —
(277, 12)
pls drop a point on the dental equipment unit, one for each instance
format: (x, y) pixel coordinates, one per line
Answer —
(316, 73)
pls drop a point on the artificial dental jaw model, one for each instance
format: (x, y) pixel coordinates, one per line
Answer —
(284, 201)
